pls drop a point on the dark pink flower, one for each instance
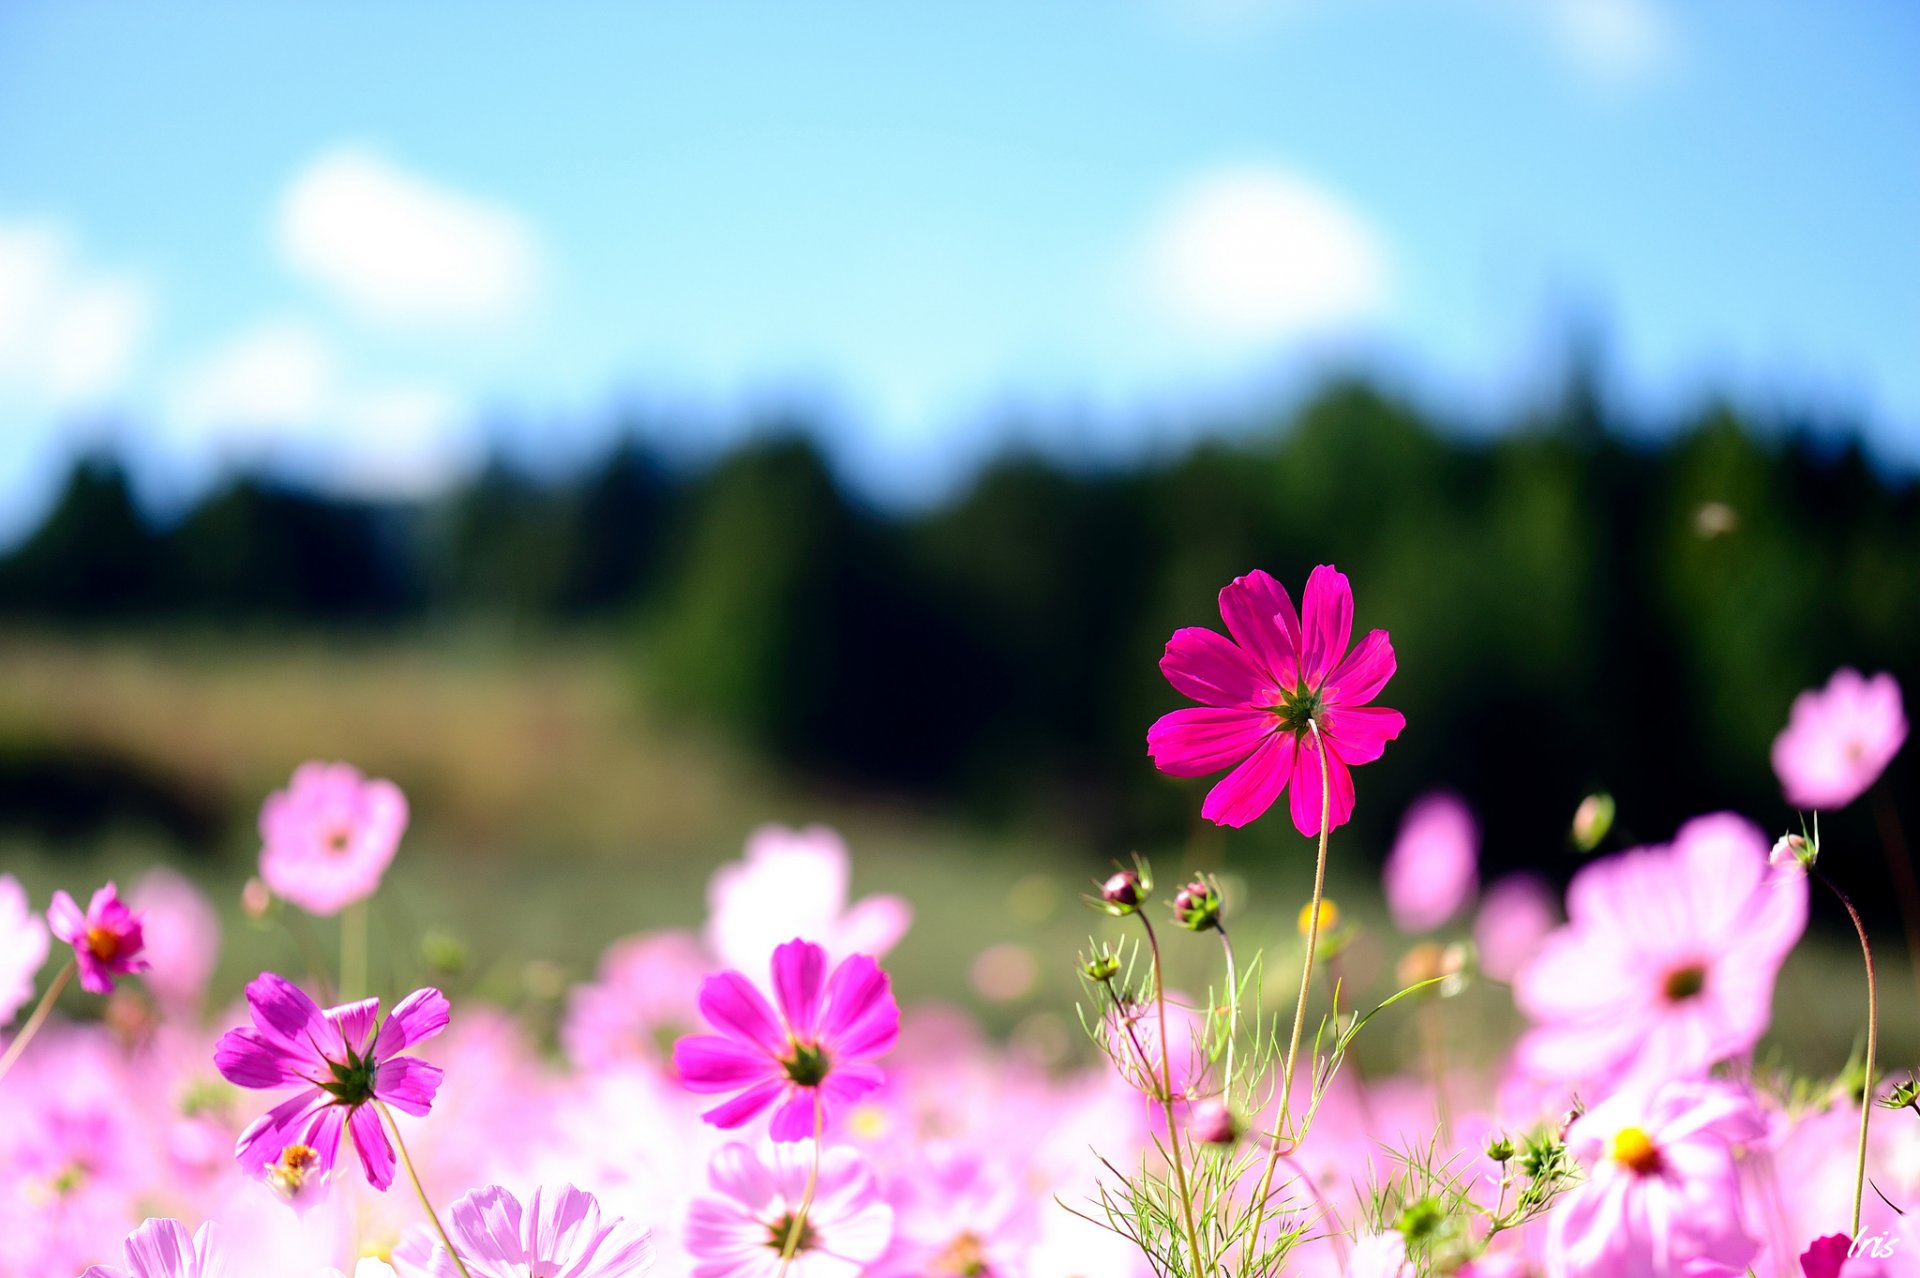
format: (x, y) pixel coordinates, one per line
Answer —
(1259, 691)
(106, 940)
(814, 1053)
(341, 1059)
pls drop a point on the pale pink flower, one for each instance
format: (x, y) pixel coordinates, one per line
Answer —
(1260, 690)
(23, 947)
(1839, 739)
(794, 883)
(640, 1001)
(1517, 913)
(1381, 1255)
(107, 940)
(1433, 870)
(959, 1214)
(1662, 1194)
(182, 937)
(559, 1232)
(737, 1231)
(1667, 962)
(329, 836)
(164, 1249)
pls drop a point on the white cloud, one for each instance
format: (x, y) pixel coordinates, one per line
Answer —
(404, 250)
(276, 394)
(69, 331)
(1611, 40)
(1257, 253)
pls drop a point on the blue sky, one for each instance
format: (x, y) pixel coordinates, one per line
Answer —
(363, 243)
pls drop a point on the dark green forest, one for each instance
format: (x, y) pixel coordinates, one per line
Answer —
(1574, 605)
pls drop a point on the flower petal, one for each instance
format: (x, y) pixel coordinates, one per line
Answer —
(1327, 605)
(371, 1143)
(286, 1017)
(747, 1105)
(161, 1249)
(408, 1083)
(1307, 798)
(65, 918)
(796, 1119)
(1250, 789)
(1199, 740)
(1359, 678)
(734, 1007)
(1359, 734)
(712, 1063)
(260, 1144)
(418, 1016)
(799, 968)
(1260, 617)
(1206, 666)
(247, 1058)
(862, 1019)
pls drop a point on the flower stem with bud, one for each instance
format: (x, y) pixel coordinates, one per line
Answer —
(1873, 1040)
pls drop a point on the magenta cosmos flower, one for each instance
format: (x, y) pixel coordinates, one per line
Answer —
(738, 1231)
(106, 940)
(164, 1249)
(1839, 739)
(1259, 691)
(1433, 870)
(1667, 961)
(559, 1233)
(815, 1053)
(1662, 1194)
(341, 1059)
(329, 836)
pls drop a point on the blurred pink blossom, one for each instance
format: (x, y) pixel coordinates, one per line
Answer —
(794, 883)
(1516, 914)
(1667, 961)
(1382, 1255)
(329, 836)
(107, 940)
(642, 998)
(1839, 739)
(23, 947)
(559, 1232)
(736, 1231)
(1662, 1194)
(1432, 872)
(182, 937)
(1260, 690)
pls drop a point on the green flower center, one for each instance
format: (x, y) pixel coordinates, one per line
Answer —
(781, 1230)
(352, 1079)
(808, 1065)
(1299, 708)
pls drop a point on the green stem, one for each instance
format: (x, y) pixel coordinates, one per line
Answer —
(1233, 1013)
(39, 1017)
(406, 1160)
(1166, 1101)
(1280, 1144)
(797, 1225)
(1873, 1040)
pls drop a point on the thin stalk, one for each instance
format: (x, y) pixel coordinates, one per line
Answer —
(406, 1160)
(1166, 1100)
(1900, 868)
(1306, 982)
(353, 951)
(797, 1225)
(1233, 1012)
(39, 1017)
(1873, 1040)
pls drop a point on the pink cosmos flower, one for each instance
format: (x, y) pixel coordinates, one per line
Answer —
(1839, 740)
(1433, 870)
(23, 947)
(1259, 691)
(794, 882)
(341, 1059)
(737, 1231)
(106, 940)
(182, 936)
(1667, 962)
(329, 836)
(640, 1000)
(1517, 913)
(163, 1249)
(560, 1233)
(1662, 1194)
(815, 1053)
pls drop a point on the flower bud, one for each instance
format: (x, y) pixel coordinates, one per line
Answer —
(1499, 1148)
(1213, 1123)
(1904, 1096)
(1123, 891)
(1101, 966)
(1791, 848)
(1196, 906)
(255, 899)
(1592, 819)
(1572, 1116)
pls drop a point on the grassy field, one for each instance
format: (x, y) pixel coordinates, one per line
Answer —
(553, 814)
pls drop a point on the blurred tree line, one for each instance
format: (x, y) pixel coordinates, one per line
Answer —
(1573, 607)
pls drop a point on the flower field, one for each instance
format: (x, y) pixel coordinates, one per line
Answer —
(1491, 1077)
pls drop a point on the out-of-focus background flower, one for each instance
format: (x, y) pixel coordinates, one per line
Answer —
(622, 426)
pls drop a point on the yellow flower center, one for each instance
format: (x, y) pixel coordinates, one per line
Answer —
(289, 1175)
(103, 944)
(1329, 916)
(1634, 1150)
